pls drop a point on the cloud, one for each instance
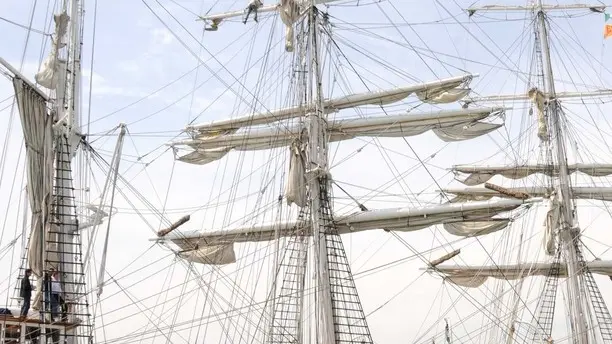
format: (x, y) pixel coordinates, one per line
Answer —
(162, 36)
(101, 87)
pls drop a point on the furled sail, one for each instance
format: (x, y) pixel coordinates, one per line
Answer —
(475, 276)
(451, 125)
(295, 189)
(48, 74)
(540, 102)
(330, 105)
(552, 224)
(442, 95)
(289, 12)
(481, 194)
(461, 219)
(474, 175)
(38, 137)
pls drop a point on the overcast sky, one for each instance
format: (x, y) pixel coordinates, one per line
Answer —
(159, 74)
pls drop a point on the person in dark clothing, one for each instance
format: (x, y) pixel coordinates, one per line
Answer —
(253, 6)
(26, 292)
(47, 293)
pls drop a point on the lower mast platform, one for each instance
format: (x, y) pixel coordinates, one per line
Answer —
(16, 329)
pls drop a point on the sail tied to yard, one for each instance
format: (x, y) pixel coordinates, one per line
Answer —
(481, 194)
(453, 125)
(38, 137)
(553, 215)
(475, 175)
(383, 97)
(475, 276)
(466, 219)
(210, 142)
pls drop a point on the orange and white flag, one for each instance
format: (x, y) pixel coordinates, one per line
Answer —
(607, 31)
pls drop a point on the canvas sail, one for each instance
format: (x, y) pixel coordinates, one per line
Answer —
(454, 125)
(460, 219)
(38, 137)
(475, 276)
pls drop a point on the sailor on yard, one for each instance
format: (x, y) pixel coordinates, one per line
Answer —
(26, 292)
(254, 5)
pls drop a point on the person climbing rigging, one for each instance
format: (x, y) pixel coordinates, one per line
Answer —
(253, 6)
(26, 292)
(56, 294)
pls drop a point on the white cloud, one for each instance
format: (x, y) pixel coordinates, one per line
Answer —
(162, 36)
(100, 86)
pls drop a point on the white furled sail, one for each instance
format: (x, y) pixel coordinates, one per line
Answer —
(331, 105)
(442, 95)
(461, 219)
(481, 194)
(210, 255)
(540, 102)
(453, 125)
(38, 137)
(475, 276)
(552, 224)
(295, 189)
(48, 74)
(289, 12)
(475, 175)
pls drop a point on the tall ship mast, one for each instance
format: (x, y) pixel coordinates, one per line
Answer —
(241, 229)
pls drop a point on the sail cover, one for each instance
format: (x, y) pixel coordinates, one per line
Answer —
(480, 194)
(474, 175)
(38, 137)
(475, 276)
(461, 219)
(452, 125)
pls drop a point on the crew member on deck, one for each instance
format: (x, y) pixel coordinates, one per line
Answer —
(26, 293)
(254, 5)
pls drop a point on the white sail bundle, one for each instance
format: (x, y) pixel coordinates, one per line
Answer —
(38, 137)
(461, 219)
(475, 276)
(481, 194)
(453, 125)
(384, 97)
(49, 72)
(475, 175)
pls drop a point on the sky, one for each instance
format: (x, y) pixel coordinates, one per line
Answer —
(151, 66)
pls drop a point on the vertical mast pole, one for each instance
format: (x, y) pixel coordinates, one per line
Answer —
(74, 63)
(72, 108)
(567, 232)
(316, 175)
(64, 150)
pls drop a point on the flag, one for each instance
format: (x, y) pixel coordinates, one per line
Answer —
(607, 16)
(608, 31)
